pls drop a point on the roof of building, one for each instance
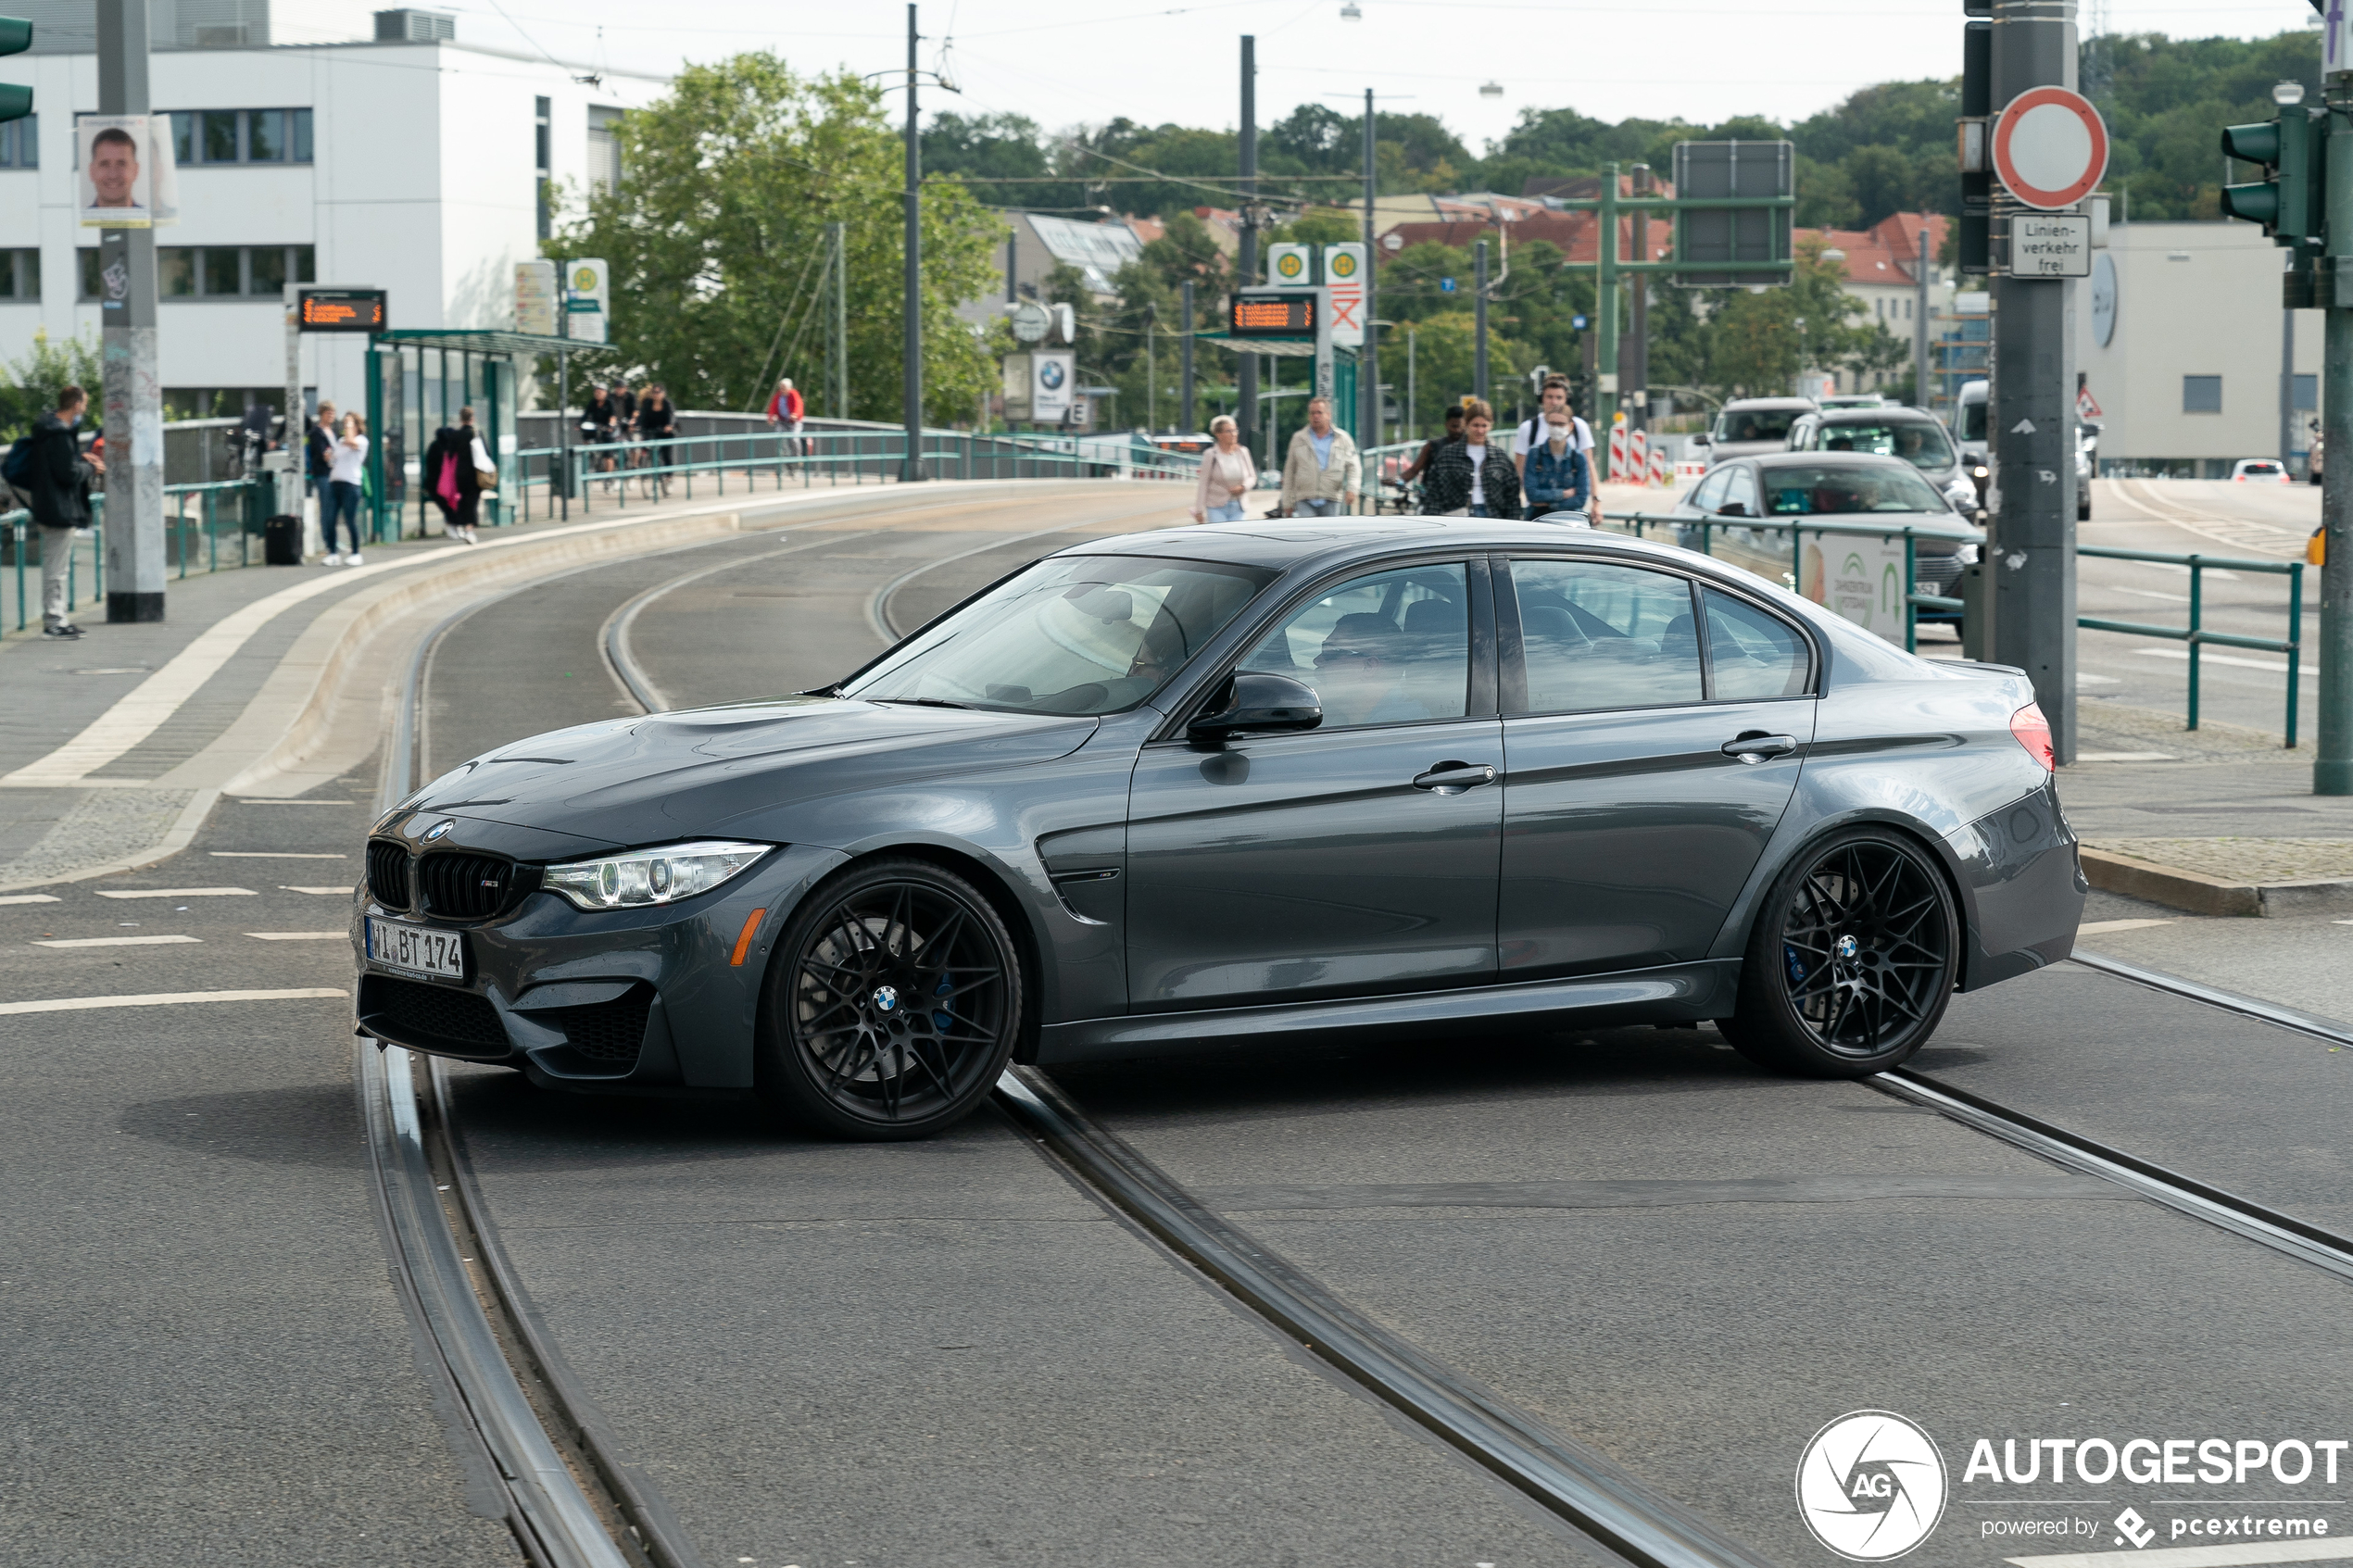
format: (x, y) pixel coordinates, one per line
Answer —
(1097, 250)
(1887, 251)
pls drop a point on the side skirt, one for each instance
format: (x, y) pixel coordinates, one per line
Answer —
(1672, 994)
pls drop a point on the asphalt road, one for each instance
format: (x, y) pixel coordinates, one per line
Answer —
(841, 1356)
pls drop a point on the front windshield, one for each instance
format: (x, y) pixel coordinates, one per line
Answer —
(1918, 442)
(1072, 634)
(1755, 424)
(1810, 490)
(1973, 421)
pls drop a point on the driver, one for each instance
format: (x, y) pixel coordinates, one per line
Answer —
(1359, 674)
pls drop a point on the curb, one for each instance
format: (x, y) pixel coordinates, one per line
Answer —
(2202, 895)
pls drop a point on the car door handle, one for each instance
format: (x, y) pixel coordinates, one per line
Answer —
(1756, 747)
(1453, 778)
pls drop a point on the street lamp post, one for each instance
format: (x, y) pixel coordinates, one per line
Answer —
(910, 468)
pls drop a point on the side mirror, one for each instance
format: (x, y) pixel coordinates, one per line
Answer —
(1732, 508)
(1257, 703)
(1702, 440)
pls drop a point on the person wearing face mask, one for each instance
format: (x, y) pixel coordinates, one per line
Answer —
(60, 499)
(1470, 478)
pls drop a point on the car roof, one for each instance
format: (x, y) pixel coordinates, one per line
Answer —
(1880, 415)
(1283, 545)
(1819, 459)
(1771, 402)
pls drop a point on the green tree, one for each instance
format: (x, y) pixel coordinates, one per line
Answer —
(716, 237)
(28, 386)
(1002, 155)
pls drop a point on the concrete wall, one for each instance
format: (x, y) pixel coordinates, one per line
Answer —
(2192, 299)
(422, 182)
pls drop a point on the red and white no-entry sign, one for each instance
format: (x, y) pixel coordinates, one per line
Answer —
(2050, 147)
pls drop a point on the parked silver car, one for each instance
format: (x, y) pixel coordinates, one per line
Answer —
(1747, 426)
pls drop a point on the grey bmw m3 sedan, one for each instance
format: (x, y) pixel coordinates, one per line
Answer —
(1214, 789)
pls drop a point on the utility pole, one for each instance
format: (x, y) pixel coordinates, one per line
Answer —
(1413, 388)
(1185, 399)
(1246, 262)
(2333, 768)
(1919, 320)
(1368, 357)
(1635, 373)
(1605, 317)
(2030, 423)
(910, 468)
(2288, 388)
(1151, 368)
(127, 335)
(1478, 318)
(838, 372)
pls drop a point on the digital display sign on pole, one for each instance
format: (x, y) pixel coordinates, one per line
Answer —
(1290, 313)
(341, 310)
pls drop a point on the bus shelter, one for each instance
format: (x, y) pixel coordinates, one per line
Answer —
(417, 382)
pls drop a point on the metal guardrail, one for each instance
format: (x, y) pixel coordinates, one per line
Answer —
(2196, 634)
(563, 475)
(191, 543)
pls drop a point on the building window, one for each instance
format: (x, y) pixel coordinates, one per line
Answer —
(89, 282)
(2201, 395)
(2305, 395)
(542, 140)
(604, 148)
(20, 143)
(217, 272)
(21, 274)
(240, 137)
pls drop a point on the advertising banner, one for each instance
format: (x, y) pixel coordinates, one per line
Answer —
(536, 299)
(1857, 576)
(1054, 379)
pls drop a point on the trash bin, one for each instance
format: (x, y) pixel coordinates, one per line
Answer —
(282, 540)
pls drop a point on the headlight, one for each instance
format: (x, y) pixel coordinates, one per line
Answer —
(650, 876)
(1978, 472)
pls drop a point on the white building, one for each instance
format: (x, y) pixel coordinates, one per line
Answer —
(308, 151)
(2178, 337)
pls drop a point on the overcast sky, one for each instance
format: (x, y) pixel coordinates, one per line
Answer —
(1063, 63)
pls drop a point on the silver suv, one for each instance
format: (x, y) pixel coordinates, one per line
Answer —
(1746, 426)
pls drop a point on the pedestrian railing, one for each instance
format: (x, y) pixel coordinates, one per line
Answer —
(24, 541)
(605, 473)
(2195, 634)
(195, 519)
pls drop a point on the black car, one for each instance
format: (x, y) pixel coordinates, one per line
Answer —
(1838, 487)
(1217, 788)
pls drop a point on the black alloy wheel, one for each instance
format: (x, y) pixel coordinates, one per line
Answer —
(1851, 960)
(893, 1004)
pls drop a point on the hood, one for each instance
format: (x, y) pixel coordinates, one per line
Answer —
(744, 769)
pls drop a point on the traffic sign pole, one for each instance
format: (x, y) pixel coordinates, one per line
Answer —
(2333, 767)
(2048, 152)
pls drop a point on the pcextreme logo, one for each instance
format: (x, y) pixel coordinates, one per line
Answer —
(1870, 1485)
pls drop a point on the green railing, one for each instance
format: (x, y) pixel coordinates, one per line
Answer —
(2196, 635)
(561, 476)
(197, 517)
(23, 542)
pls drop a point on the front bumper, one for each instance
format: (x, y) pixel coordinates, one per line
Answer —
(653, 996)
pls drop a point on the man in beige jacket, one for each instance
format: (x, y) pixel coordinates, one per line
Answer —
(1321, 470)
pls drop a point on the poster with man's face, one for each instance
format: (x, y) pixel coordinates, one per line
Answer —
(127, 180)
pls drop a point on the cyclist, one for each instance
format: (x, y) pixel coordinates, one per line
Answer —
(601, 426)
(656, 421)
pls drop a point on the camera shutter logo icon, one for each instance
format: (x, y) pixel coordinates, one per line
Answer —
(1871, 1486)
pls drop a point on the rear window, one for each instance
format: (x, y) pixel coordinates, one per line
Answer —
(1918, 442)
(1827, 490)
(2263, 468)
(1973, 421)
(1755, 424)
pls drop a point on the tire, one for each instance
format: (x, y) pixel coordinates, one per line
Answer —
(1851, 959)
(841, 1049)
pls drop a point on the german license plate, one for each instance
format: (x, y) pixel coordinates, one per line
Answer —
(417, 949)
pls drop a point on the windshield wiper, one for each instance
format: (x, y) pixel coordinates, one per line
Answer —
(921, 701)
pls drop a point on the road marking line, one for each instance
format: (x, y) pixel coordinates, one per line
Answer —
(299, 802)
(273, 855)
(2125, 757)
(165, 998)
(2197, 1556)
(2148, 594)
(177, 893)
(2102, 927)
(2205, 657)
(299, 935)
(323, 892)
(114, 941)
(29, 898)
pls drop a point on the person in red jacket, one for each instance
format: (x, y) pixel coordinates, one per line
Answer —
(785, 412)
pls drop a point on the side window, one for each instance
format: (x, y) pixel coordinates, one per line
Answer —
(1741, 500)
(1711, 490)
(1392, 647)
(1598, 635)
(1750, 654)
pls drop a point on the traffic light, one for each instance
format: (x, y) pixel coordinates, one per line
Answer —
(16, 37)
(2290, 201)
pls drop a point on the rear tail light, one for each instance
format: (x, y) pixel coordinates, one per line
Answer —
(2033, 731)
